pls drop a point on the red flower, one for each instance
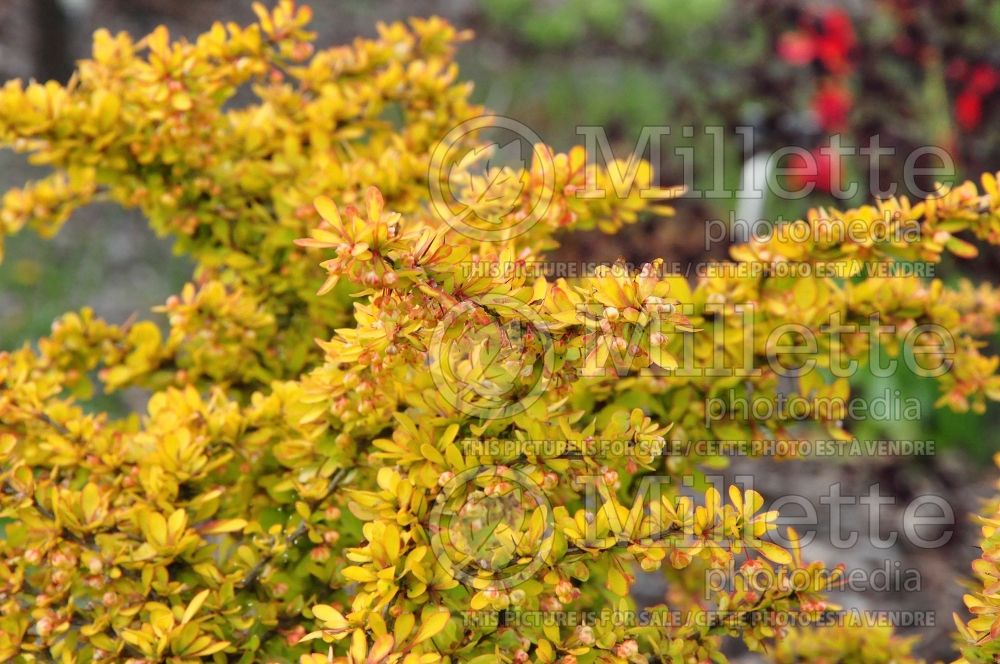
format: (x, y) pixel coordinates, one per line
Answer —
(820, 168)
(832, 105)
(984, 79)
(837, 25)
(797, 47)
(969, 110)
(832, 42)
(836, 41)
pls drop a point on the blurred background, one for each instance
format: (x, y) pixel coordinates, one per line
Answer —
(911, 72)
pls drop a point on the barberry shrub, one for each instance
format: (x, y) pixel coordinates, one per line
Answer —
(340, 458)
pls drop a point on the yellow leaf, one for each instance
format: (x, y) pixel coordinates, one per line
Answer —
(373, 203)
(479, 601)
(403, 627)
(431, 454)
(328, 211)
(961, 248)
(359, 646)
(195, 604)
(359, 574)
(223, 526)
(331, 617)
(431, 625)
(312, 658)
(617, 583)
(736, 497)
(182, 101)
(312, 635)
(90, 501)
(539, 289)
(381, 649)
(328, 285)
(211, 650)
(805, 292)
(545, 651)
(177, 524)
(774, 553)
(155, 529)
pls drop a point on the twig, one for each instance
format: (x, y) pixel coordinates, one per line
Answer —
(299, 531)
(623, 543)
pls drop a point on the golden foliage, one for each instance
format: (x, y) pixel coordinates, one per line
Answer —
(280, 492)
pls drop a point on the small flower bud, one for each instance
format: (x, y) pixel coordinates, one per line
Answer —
(44, 626)
(611, 477)
(293, 635)
(627, 649)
